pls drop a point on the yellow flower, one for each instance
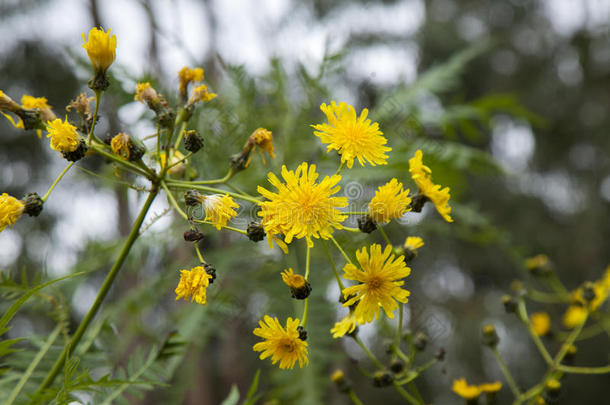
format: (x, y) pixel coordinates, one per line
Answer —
(10, 210)
(390, 201)
(574, 316)
(193, 283)
(201, 93)
(351, 136)
(186, 76)
(464, 390)
(283, 345)
(302, 208)
(120, 145)
(40, 103)
(64, 137)
(101, 48)
(145, 93)
(538, 262)
(380, 283)
(299, 287)
(344, 326)
(541, 323)
(491, 388)
(421, 174)
(262, 139)
(219, 209)
(413, 243)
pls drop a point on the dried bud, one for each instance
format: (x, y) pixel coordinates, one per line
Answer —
(417, 202)
(33, 204)
(510, 305)
(302, 333)
(76, 154)
(255, 231)
(421, 341)
(490, 337)
(211, 271)
(127, 147)
(440, 355)
(366, 224)
(193, 235)
(193, 142)
(397, 366)
(192, 198)
(539, 265)
(588, 291)
(382, 379)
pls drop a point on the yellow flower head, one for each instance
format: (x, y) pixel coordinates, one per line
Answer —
(337, 376)
(10, 210)
(344, 326)
(101, 48)
(219, 209)
(193, 283)
(413, 243)
(145, 93)
(293, 280)
(421, 174)
(302, 208)
(201, 93)
(64, 137)
(574, 316)
(390, 201)
(464, 390)
(283, 345)
(380, 281)
(541, 322)
(537, 262)
(262, 139)
(186, 76)
(41, 104)
(351, 136)
(491, 388)
(120, 145)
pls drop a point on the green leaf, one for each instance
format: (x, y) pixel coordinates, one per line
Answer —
(233, 396)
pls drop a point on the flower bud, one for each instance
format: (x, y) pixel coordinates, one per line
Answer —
(302, 333)
(255, 231)
(366, 224)
(539, 265)
(127, 147)
(78, 153)
(510, 304)
(299, 287)
(192, 198)
(490, 337)
(382, 379)
(552, 388)
(193, 142)
(397, 366)
(211, 271)
(417, 202)
(33, 204)
(193, 235)
(340, 381)
(421, 341)
(440, 354)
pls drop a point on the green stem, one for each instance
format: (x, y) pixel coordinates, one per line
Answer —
(119, 161)
(584, 370)
(369, 353)
(352, 395)
(341, 250)
(509, 377)
(523, 316)
(98, 97)
(188, 155)
(385, 236)
(173, 201)
(306, 304)
(230, 228)
(44, 197)
(569, 342)
(340, 167)
(180, 135)
(399, 326)
(332, 264)
(32, 366)
(347, 228)
(226, 178)
(101, 295)
(406, 395)
(199, 255)
(186, 185)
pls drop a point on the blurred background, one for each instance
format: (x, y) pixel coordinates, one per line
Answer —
(508, 100)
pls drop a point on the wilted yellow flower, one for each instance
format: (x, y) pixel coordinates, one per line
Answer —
(380, 280)
(263, 139)
(145, 93)
(193, 283)
(390, 201)
(64, 137)
(413, 243)
(491, 388)
(120, 145)
(302, 208)
(186, 76)
(219, 209)
(101, 48)
(201, 93)
(283, 345)
(421, 174)
(464, 390)
(541, 323)
(299, 287)
(10, 210)
(344, 326)
(351, 136)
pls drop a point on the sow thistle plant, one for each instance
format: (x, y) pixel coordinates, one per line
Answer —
(301, 203)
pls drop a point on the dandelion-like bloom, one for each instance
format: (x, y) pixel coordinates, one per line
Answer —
(541, 323)
(283, 345)
(201, 93)
(413, 243)
(464, 390)
(64, 137)
(187, 75)
(302, 208)
(421, 174)
(491, 388)
(574, 316)
(577, 312)
(10, 210)
(120, 145)
(390, 201)
(193, 283)
(379, 283)
(219, 209)
(263, 139)
(345, 326)
(101, 48)
(299, 287)
(351, 136)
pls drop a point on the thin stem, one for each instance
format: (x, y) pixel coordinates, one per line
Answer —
(405, 394)
(341, 250)
(522, 312)
(584, 370)
(188, 155)
(509, 377)
(186, 185)
(347, 228)
(226, 178)
(399, 326)
(385, 236)
(352, 395)
(98, 97)
(199, 253)
(230, 228)
(44, 197)
(101, 295)
(332, 264)
(569, 342)
(119, 161)
(369, 353)
(180, 135)
(306, 304)
(173, 201)
(340, 168)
